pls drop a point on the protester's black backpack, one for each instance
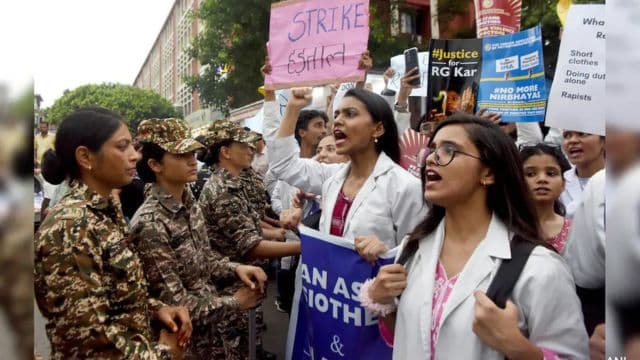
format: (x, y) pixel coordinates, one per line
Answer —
(508, 273)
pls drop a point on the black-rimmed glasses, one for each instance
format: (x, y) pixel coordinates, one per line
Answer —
(445, 154)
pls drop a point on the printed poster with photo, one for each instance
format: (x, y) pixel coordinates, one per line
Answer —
(512, 82)
(454, 77)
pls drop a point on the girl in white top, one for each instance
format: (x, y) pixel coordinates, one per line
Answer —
(479, 201)
(371, 194)
(586, 153)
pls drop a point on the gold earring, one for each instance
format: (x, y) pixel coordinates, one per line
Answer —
(375, 140)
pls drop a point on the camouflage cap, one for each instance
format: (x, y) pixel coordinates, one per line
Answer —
(222, 130)
(172, 135)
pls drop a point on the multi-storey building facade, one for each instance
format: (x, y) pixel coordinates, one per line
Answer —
(168, 63)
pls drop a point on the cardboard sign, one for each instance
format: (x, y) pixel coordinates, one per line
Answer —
(577, 99)
(497, 17)
(315, 42)
(515, 85)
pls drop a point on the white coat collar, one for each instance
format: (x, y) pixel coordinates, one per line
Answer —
(383, 165)
(495, 245)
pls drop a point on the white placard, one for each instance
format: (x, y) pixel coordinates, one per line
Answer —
(529, 61)
(623, 64)
(397, 64)
(577, 98)
(507, 64)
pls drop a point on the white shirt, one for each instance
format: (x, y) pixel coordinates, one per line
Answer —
(585, 248)
(623, 259)
(549, 309)
(530, 133)
(260, 162)
(571, 197)
(389, 204)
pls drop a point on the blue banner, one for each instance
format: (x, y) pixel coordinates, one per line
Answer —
(512, 81)
(327, 321)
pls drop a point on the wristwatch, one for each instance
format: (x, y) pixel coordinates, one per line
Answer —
(401, 108)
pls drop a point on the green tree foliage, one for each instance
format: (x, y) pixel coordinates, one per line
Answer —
(235, 33)
(544, 12)
(382, 45)
(134, 104)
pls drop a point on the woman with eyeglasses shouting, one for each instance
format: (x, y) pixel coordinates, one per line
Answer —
(543, 166)
(480, 208)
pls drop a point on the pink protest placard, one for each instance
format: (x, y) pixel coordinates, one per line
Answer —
(315, 42)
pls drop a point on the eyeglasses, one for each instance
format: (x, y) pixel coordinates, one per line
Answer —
(444, 154)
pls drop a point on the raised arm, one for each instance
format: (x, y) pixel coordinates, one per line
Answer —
(284, 153)
(401, 110)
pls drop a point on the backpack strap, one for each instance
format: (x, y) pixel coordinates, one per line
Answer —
(508, 273)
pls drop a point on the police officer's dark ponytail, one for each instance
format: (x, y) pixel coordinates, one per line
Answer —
(90, 127)
(212, 156)
(149, 151)
(52, 168)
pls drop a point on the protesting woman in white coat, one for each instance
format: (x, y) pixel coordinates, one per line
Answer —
(371, 194)
(480, 208)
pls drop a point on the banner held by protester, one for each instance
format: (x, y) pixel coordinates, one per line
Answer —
(497, 17)
(454, 76)
(327, 320)
(315, 42)
(512, 81)
(578, 90)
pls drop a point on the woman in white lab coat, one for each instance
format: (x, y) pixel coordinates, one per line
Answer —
(474, 181)
(371, 194)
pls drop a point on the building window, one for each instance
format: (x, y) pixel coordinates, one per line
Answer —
(408, 22)
(155, 72)
(185, 99)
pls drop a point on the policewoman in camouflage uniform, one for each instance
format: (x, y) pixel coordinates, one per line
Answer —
(169, 234)
(233, 227)
(89, 285)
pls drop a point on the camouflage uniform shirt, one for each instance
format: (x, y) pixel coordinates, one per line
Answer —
(256, 191)
(89, 284)
(233, 226)
(180, 266)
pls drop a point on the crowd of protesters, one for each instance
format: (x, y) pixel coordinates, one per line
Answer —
(158, 245)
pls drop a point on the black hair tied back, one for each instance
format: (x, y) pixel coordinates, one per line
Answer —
(52, 168)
